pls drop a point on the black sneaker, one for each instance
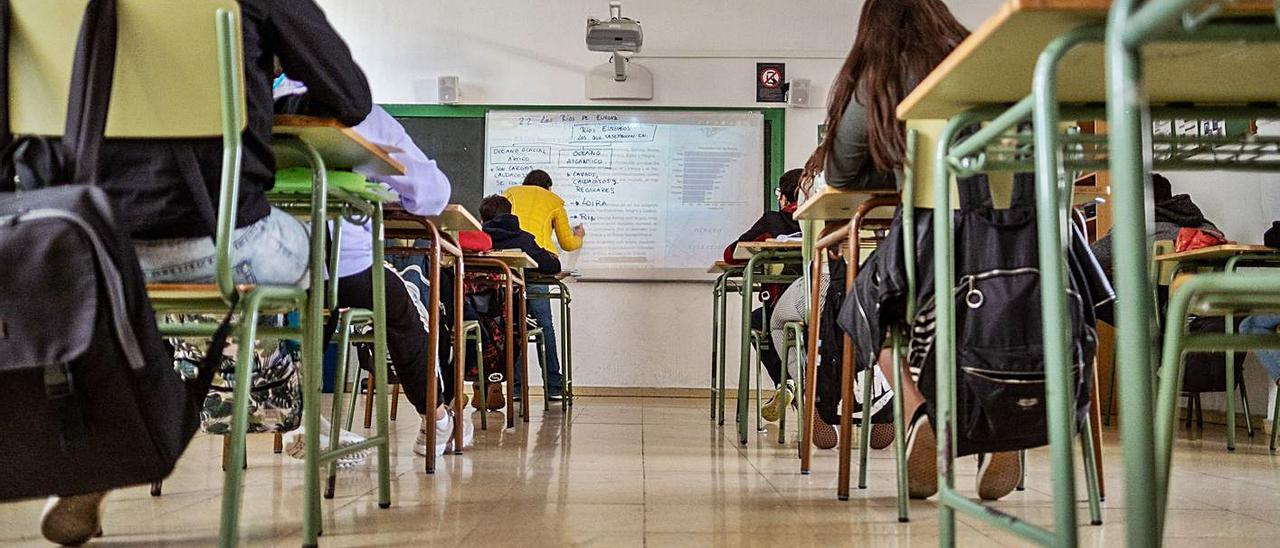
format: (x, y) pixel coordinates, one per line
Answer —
(998, 474)
(922, 457)
(555, 395)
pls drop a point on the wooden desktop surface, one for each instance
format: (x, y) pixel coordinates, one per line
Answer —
(340, 146)
(454, 218)
(744, 250)
(720, 267)
(513, 258)
(996, 63)
(832, 204)
(1216, 253)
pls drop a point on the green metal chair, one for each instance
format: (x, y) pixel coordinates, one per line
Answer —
(793, 341)
(164, 88)
(471, 332)
(539, 339)
(561, 294)
(1219, 294)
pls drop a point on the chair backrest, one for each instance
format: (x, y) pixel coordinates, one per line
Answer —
(166, 82)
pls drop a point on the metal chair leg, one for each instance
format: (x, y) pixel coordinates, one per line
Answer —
(1090, 471)
(368, 402)
(1244, 406)
(395, 400)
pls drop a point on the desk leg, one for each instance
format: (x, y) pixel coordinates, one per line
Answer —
(811, 366)
(523, 304)
(433, 355)
(716, 291)
(1127, 127)
(459, 356)
(509, 326)
(721, 340)
(846, 375)
(744, 373)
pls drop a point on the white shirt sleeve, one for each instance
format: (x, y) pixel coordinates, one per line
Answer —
(423, 189)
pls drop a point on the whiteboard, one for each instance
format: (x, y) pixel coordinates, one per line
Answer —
(661, 193)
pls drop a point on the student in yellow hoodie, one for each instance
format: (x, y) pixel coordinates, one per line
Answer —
(541, 213)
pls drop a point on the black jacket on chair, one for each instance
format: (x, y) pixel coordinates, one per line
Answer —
(506, 234)
(144, 178)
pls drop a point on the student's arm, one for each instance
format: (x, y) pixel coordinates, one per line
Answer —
(564, 233)
(548, 262)
(758, 232)
(311, 52)
(423, 189)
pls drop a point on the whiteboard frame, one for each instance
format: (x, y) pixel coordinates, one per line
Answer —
(774, 119)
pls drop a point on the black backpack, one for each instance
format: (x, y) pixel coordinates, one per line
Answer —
(1207, 371)
(91, 401)
(1000, 384)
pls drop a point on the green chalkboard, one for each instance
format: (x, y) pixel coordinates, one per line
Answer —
(457, 146)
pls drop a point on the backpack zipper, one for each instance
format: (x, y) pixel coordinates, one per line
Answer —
(115, 286)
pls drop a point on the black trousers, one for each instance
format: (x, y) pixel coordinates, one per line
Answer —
(406, 334)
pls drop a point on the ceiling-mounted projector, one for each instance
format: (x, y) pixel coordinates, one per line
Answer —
(619, 78)
(616, 34)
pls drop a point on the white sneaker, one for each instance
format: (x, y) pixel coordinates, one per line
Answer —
(444, 434)
(468, 434)
(296, 444)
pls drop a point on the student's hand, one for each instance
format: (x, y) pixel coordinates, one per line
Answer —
(579, 231)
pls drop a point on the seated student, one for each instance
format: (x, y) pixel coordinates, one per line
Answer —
(771, 225)
(791, 307)
(504, 229)
(424, 190)
(541, 213)
(159, 186)
(866, 141)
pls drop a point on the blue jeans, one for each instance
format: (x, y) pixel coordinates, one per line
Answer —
(1264, 325)
(540, 309)
(272, 251)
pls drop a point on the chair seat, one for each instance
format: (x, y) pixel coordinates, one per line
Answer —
(195, 298)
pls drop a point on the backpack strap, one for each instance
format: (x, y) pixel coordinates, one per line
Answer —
(975, 192)
(90, 94)
(6, 133)
(1024, 190)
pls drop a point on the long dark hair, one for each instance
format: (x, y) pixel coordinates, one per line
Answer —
(899, 42)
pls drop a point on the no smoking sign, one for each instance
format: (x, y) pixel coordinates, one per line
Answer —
(771, 81)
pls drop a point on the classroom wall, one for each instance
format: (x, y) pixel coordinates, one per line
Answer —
(532, 52)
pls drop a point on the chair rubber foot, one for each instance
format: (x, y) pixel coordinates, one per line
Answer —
(804, 472)
(904, 520)
(384, 505)
(1020, 488)
(1231, 449)
(431, 470)
(1096, 522)
(842, 497)
(316, 545)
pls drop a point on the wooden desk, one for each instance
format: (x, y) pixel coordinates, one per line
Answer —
(996, 63)
(720, 267)
(745, 250)
(513, 258)
(341, 147)
(833, 204)
(455, 218)
(1217, 253)
(510, 265)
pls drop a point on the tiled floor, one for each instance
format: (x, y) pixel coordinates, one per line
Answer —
(651, 472)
